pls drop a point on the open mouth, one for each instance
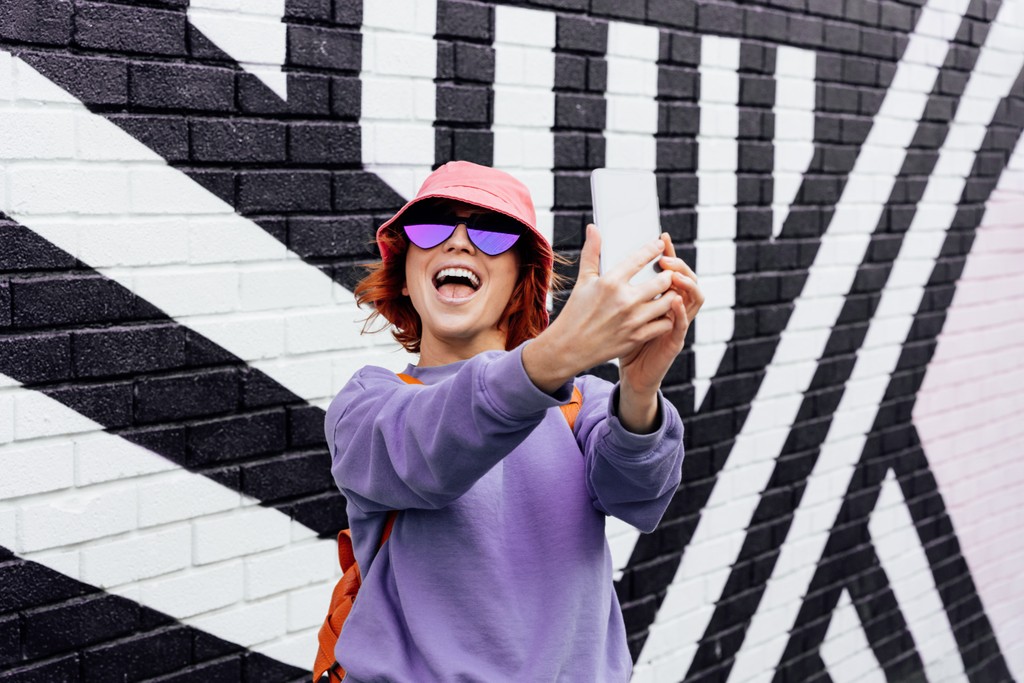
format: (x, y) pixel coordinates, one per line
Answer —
(456, 283)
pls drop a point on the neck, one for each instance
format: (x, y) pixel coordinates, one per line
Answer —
(436, 351)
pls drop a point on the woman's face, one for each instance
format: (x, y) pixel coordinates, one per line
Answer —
(460, 293)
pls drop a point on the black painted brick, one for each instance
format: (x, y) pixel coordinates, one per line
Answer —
(331, 236)
(46, 22)
(36, 358)
(288, 476)
(196, 394)
(580, 112)
(310, 9)
(766, 24)
(127, 350)
(678, 118)
(228, 670)
(306, 426)
(324, 143)
(137, 657)
(676, 13)
(445, 61)
(182, 86)
(757, 91)
(720, 18)
(570, 72)
(201, 351)
(237, 140)
(678, 83)
(5, 303)
(677, 155)
(94, 80)
(25, 250)
(362, 191)
(324, 512)
(842, 37)
(79, 622)
(121, 28)
(109, 404)
(307, 94)
(572, 190)
(470, 20)
(324, 48)
(474, 62)
(63, 669)
(463, 104)
(10, 640)
(63, 300)
(806, 31)
(581, 34)
(346, 98)
(473, 145)
(620, 9)
(235, 438)
(271, 191)
(27, 585)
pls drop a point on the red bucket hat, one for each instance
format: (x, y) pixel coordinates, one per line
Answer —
(481, 186)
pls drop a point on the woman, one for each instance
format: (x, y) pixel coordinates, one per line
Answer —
(497, 568)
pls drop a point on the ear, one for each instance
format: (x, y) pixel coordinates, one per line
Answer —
(405, 291)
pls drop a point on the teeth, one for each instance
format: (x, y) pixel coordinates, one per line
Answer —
(458, 272)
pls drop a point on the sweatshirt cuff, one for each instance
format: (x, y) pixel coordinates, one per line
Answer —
(511, 391)
(627, 442)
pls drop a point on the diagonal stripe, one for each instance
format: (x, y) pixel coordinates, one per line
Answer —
(794, 127)
(398, 105)
(904, 561)
(845, 650)
(252, 33)
(159, 234)
(717, 154)
(719, 535)
(881, 349)
(109, 513)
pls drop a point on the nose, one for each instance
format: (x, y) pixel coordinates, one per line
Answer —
(459, 241)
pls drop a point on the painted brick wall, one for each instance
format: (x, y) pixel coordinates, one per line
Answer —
(188, 190)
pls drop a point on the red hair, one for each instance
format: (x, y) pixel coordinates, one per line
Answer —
(525, 316)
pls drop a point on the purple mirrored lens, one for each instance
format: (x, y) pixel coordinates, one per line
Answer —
(428, 235)
(492, 243)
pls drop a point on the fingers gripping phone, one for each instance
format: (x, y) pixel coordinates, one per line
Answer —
(627, 216)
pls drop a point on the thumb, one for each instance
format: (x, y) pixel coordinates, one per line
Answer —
(590, 256)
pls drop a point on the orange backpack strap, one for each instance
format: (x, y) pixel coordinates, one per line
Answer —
(409, 379)
(572, 409)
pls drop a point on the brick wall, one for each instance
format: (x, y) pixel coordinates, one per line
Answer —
(188, 192)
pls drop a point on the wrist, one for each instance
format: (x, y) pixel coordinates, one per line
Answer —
(638, 411)
(545, 363)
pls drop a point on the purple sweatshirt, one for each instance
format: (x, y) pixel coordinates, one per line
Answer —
(497, 568)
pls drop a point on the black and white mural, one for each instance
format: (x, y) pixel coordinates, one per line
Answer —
(188, 191)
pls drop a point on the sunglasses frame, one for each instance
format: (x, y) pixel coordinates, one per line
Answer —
(487, 221)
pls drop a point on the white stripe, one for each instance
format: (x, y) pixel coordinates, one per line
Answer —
(632, 114)
(161, 235)
(715, 245)
(685, 613)
(253, 33)
(902, 556)
(875, 363)
(845, 650)
(398, 92)
(105, 511)
(524, 104)
(794, 127)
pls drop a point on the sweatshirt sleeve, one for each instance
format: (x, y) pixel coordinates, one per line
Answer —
(630, 476)
(396, 446)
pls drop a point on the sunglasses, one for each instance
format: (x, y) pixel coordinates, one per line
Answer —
(492, 233)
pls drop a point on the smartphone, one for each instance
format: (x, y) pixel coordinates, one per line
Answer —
(626, 213)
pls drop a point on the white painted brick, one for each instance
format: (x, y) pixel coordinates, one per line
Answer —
(526, 107)
(8, 525)
(222, 5)
(291, 567)
(179, 495)
(194, 591)
(633, 114)
(96, 138)
(519, 26)
(630, 151)
(723, 53)
(633, 40)
(389, 99)
(719, 121)
(161, 189)
(37, 134)
(140, 556)
(247, 624)
(37, 415)
(196, 290)
(242, 532)
(307, 607)
(391, 144)
(229, 239)
(6, 418)
(396, 15)
(118, 242)
(293, 649)
(103, 457)
(74, 517)
(29, 469)
(67, 562)
(406, 55)
(281, 284)
(320, 330)
(252, 336)
(241, 34)
(307, 376)
(6, 76)
(68, 188)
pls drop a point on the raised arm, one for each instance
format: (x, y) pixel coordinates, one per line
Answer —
(397, 446)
